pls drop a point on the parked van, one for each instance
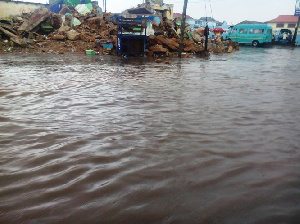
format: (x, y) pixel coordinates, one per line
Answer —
(255, 34)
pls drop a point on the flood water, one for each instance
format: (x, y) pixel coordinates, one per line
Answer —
(105, 139)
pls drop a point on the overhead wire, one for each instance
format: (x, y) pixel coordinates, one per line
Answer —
(212, 16)
(206, 2)
(199, 2)
(206, 14)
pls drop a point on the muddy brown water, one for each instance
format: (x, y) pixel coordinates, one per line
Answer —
(104, 139)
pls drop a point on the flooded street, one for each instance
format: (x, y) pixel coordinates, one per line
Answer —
(105, 139)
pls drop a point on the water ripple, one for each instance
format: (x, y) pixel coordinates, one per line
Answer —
(114, 140)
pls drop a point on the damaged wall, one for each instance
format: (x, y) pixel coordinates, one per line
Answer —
(9, 9)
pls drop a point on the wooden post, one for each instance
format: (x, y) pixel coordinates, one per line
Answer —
(182, 28)
(296, 31)
(206, 33)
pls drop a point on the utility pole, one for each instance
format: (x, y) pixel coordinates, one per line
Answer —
(206, 33)
(182, 28)
(297, 13)
(296, 31)
(104, 5)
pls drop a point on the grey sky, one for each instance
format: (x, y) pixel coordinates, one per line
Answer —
(232, 11)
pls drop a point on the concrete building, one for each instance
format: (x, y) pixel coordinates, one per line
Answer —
(211, 22)
(283, 22)
(16, 8)
(196, 23)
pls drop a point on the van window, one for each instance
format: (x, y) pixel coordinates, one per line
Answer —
(233, 31)
(256, 31)
(243, 31)
(269, 31)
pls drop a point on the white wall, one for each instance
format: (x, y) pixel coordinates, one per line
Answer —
(10, 9)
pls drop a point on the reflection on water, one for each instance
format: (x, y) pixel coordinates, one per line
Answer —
(93, 139)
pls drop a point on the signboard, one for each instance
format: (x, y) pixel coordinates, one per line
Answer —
(297, 8)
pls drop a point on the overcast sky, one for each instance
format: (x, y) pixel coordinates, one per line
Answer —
(232, 11)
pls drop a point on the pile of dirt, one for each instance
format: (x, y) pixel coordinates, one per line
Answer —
(167, 41)
(66, 32)
(72, 32)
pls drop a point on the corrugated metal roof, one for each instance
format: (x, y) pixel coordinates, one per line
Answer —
(284, 19)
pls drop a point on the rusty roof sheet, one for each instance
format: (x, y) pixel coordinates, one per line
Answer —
(284, 19)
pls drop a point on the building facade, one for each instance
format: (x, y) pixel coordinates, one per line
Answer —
(283, 22)
(16, 8)
(196, 23)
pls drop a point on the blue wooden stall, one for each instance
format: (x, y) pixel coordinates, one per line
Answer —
(132, 38)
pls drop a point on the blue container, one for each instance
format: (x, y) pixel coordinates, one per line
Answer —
(110, 45)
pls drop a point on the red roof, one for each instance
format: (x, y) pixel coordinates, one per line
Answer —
(284, 19)
(179, 15)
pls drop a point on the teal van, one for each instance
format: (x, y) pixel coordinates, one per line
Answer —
(255, 34)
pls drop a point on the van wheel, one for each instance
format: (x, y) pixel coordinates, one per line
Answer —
(255, 43)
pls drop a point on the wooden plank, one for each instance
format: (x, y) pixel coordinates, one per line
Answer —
(14, 38)
(8, 27)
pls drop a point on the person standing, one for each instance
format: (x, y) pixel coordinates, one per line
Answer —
(284, 36)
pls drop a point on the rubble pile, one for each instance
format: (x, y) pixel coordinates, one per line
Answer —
(167, 40)
(70, 31)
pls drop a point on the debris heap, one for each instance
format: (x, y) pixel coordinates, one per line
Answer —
(71, 31)
(167, 40)
(68, 31)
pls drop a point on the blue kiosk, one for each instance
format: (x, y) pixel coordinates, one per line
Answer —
(132, 38)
